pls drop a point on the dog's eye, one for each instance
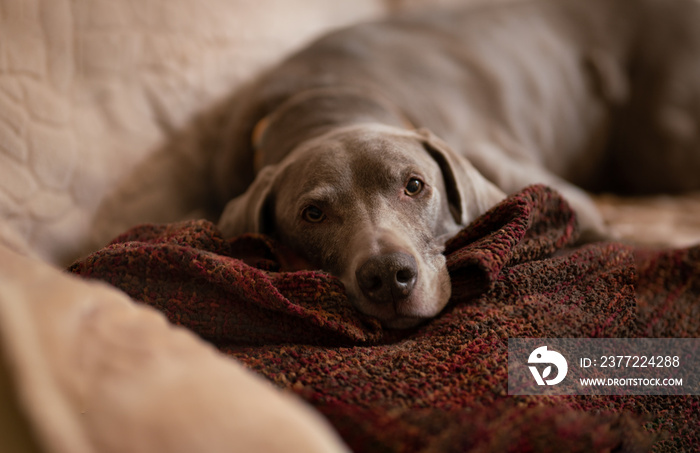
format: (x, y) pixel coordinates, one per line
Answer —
(414, 187)
(312, 214)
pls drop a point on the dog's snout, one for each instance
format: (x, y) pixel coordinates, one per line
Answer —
(388, 278)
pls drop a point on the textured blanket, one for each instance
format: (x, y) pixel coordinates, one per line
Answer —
(441, 386)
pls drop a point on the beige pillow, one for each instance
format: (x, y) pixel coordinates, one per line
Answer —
(94, 372)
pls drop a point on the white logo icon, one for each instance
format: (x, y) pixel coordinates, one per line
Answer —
(542, 355)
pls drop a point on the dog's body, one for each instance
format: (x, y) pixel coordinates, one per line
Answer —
(592, 94)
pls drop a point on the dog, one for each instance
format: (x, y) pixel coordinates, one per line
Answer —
(375, 143)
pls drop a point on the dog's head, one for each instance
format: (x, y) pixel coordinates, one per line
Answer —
(372, 205)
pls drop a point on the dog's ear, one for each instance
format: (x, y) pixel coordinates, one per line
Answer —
(469, 193)
(249, 212)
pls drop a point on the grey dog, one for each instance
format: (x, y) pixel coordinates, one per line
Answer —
(375, 143)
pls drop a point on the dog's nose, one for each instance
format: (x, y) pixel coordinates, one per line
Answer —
(387, 278)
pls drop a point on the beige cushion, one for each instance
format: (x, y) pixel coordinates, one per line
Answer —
(94, 372)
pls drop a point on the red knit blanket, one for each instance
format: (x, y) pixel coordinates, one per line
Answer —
(441, 386)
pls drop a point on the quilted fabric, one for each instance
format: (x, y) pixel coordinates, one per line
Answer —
(441, 386)
(89, 90)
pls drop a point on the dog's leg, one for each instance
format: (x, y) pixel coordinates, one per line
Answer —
(512, 175)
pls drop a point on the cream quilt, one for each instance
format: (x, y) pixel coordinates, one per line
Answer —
(90, 88)
(96, 97)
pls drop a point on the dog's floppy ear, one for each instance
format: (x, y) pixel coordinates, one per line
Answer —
(469, 193)
(248, 212)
